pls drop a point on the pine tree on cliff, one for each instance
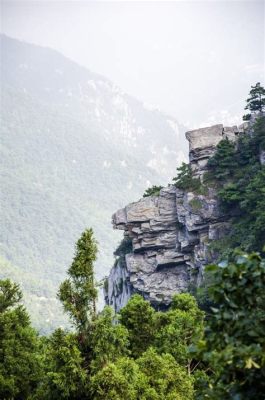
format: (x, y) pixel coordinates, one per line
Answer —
(78, 293)
(256, 100)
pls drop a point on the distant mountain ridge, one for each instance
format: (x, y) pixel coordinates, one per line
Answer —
(74, 149)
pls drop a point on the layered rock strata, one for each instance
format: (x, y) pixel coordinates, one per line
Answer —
(170, 233)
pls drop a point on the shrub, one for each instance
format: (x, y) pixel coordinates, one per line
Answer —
(235, 338)
(152, 191)
(184, 179)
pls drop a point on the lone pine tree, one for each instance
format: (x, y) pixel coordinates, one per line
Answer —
(78, 293)
(256, 100)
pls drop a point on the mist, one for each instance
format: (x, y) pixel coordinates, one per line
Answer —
(193, 60)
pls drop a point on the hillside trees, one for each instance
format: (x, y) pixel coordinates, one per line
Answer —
(157, 364)
(20, 364)
(239, 178)
(68, 356)
(106, 360)
(147, 354)
(65, 376)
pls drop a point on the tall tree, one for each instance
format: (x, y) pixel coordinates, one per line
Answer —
(223, 161)
(78, 293)
(20, 365)
(256, 100)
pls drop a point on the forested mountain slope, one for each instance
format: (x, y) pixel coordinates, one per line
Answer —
(74, 148)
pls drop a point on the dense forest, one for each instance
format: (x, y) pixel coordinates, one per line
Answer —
(207, 345)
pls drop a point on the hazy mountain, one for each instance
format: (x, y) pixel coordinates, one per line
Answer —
(74, 149)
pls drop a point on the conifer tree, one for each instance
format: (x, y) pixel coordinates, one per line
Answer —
(78, 293)
(223, 162)
(152, 191)
(139, 318)
(65, 375)
(256, 100)
(20, 365)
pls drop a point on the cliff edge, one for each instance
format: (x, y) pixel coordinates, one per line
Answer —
(167, 237)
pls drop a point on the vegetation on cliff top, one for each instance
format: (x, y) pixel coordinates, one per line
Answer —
(256, 100)
(237, 172)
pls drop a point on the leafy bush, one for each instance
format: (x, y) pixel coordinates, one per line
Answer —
(235, 342)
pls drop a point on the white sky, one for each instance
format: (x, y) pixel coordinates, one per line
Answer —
(195, 60)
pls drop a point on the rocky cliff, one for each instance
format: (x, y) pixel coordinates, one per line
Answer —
(171, 233)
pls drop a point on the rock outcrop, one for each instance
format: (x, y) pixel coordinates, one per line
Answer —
(170, 233)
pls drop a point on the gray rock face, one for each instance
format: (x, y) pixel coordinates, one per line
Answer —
(203, 142)
(118, 284)
(170, 236)
(262, 157)
(156, 268)
(170, 233)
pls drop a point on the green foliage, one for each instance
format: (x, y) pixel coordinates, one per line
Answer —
(139, 318)
(106, 284)
(259, 134)
(234, 343)
(109, 341)
(10, 294)
(152, 191)
(65, 375)
(184, 179)
(137, 358)
(241, 187)
(20, 366)
(151, 377)
(78, 293)
(246, 117)
(39, 303)
(195, 204)
(256, 100)
(122, 380)
(169, 380)
(124, 247)
(223, 161)
(178, 328)
(249, 230)
(185, 302)
(120, 360)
